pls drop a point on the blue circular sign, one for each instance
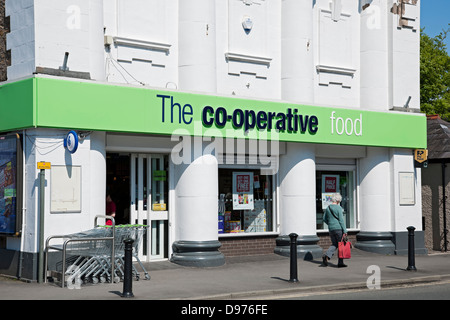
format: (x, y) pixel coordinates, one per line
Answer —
(71, 141)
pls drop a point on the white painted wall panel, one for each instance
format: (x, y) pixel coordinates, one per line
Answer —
(142, 19)
(47, 145)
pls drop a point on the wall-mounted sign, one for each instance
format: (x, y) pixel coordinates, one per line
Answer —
(420, 158)
(420, 155)
(37, 104)
(42, 165)
(71, 141)
(407, 191)
(65, 189)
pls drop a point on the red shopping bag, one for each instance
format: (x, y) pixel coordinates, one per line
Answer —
(345, 249)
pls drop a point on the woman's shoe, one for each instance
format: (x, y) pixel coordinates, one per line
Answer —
(325, 260)
(341, 265)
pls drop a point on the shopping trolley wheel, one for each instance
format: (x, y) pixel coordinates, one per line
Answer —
(116, 279)
(147, 276)
(95, 280)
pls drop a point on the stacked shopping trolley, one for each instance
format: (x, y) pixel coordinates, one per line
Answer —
(97, 255)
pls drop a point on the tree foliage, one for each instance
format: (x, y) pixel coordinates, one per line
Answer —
(434, 75)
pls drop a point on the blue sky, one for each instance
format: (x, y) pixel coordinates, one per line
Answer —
(435, 16)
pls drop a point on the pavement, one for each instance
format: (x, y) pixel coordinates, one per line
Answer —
(248, 278)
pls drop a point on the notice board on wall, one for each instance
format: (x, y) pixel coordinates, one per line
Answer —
(406, 188)
(65, 189)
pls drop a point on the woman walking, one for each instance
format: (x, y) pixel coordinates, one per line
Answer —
(334, 218)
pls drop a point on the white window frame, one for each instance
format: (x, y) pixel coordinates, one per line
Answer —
(344, 168)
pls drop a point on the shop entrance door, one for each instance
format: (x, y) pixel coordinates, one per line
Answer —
(149, 203)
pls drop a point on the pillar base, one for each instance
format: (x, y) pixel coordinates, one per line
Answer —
(307, 247)
(197, 253)
(401, 242)
(377, 242)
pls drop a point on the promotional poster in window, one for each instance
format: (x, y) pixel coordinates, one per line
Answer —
(8, 184)
(243, 190)
(330, 185)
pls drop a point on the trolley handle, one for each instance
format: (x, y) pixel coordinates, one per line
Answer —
(104, 217)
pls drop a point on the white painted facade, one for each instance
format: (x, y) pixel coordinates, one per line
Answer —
(340, 53)
(336, 51)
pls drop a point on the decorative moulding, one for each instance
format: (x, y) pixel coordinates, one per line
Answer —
(150, 45)
(338, 70)
(247, 58)
(335, 75)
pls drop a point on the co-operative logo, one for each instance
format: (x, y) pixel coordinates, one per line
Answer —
(291, 121)
(71, 142)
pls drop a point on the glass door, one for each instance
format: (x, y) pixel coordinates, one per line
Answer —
(149, 203)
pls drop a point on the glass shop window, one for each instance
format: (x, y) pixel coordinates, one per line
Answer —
(9, 185)
(329, 182)
(245, 201)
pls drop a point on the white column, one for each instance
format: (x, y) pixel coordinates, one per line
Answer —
(375, 202)
(375, 65)
(196, 210)
(298, 200)
(196, 199)
(297, 75)
(197, 45)
(406, 213)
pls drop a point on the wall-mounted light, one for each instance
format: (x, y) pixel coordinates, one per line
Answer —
(247, 24)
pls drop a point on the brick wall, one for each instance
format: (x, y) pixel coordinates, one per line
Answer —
(246, 246)
(5, 59)
(325, 242)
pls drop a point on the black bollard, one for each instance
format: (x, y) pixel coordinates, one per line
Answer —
(293, 255)
(128, 268)
(411, 262)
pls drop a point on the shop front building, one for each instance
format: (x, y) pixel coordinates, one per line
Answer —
(222, 133)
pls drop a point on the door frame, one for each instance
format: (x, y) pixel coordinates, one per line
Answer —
(141, 208)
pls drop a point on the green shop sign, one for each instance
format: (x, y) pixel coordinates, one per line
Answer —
(84, 105)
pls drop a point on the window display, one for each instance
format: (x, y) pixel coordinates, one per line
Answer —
(8, 191)
(245, 201)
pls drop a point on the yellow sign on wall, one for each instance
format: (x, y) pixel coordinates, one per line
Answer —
(44, 165)
(421, 155)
